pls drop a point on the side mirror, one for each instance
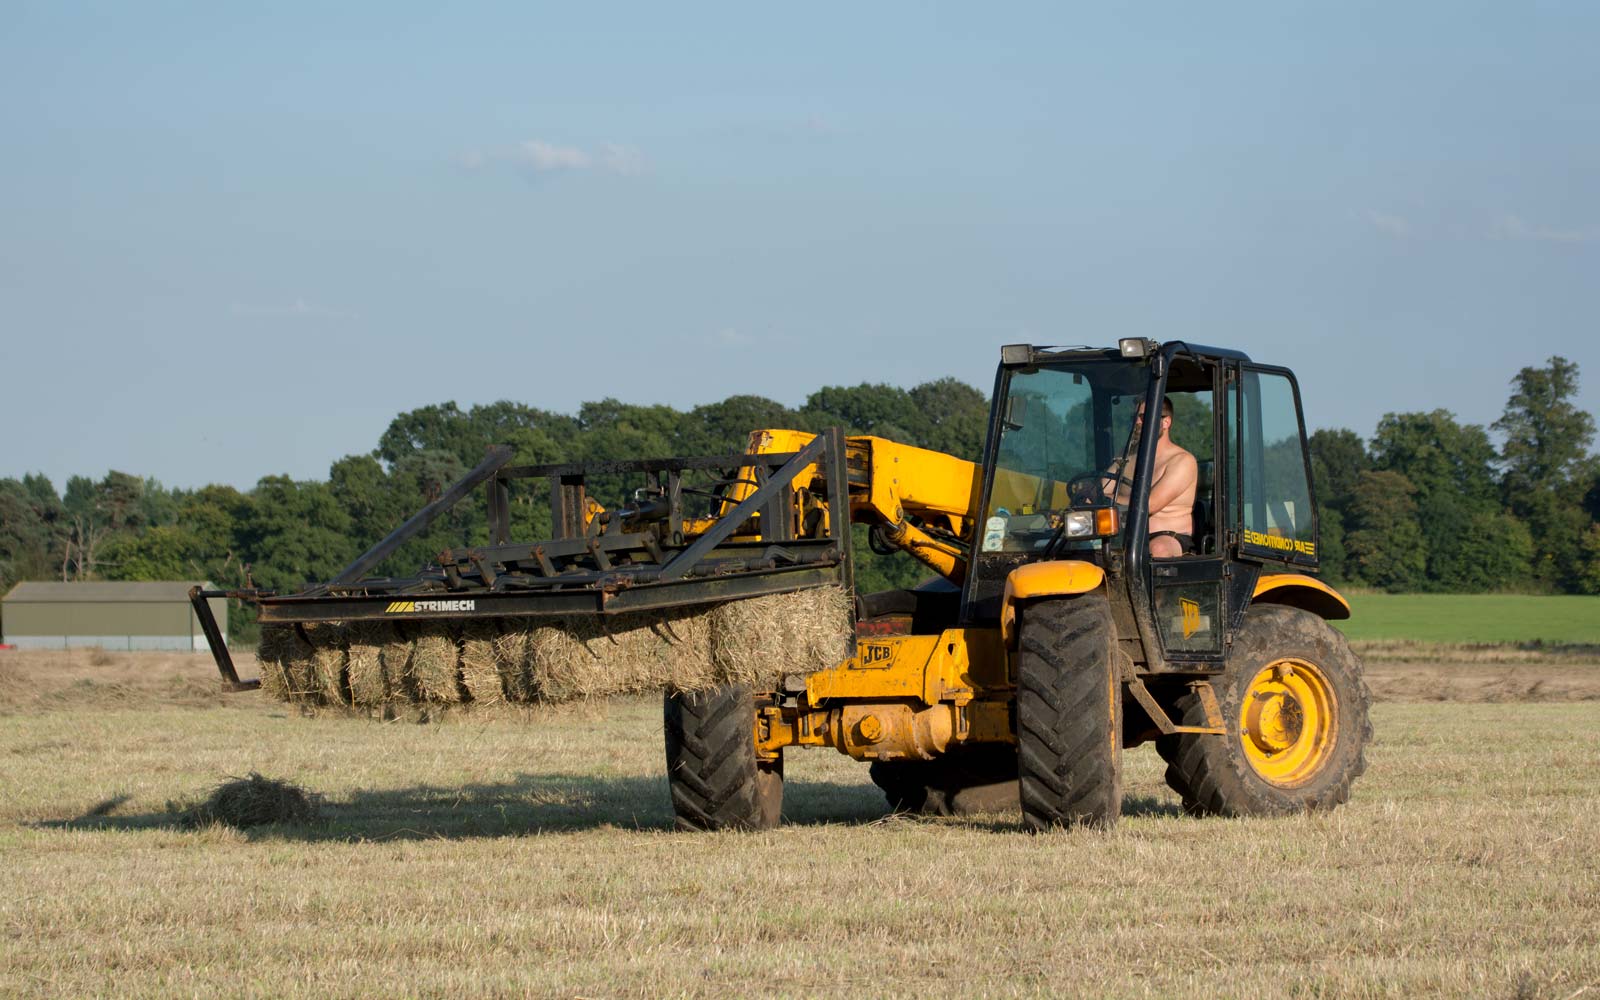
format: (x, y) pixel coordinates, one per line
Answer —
(1016, 415)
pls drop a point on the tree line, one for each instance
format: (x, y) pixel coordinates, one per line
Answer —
(1425, 504)
(285, 532)
(1432, 504)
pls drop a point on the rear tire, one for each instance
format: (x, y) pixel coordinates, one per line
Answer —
(1069, 714)
(716, 780)
(1295, 706)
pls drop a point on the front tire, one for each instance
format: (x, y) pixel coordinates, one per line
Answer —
(716, 780)
(1295, 706)
(1069, 714)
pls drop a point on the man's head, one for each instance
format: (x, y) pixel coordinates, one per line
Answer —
(1166, 414)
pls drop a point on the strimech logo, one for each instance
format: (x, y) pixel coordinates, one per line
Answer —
(413, 607)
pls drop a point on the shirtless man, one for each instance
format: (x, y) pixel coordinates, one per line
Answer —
(1172, 491)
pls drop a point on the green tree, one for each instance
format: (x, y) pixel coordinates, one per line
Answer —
(880, 410)
(1589, 576)
(1496, 551)
(297, 533)
(162, 552)
(537, 435)
(1338, 457)
(1386, 543)
(1451, 466)
(956, 416)
(1548, 467)
(32, 530)
(724, 428)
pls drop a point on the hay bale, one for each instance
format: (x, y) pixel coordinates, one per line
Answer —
(687, 639)
(480, 665)
(511, 657)
(396, 657)
(434, 660)
(364, 663)
(758, 640)
(523, 660)
(598, 655)
(277, 645)
(253, 801)
(328, 659)
(287, 672)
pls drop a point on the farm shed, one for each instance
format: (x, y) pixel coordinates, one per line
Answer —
(154, 615)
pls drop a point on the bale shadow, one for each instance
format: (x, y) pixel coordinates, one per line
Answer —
(528, 804)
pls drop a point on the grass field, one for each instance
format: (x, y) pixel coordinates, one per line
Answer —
(1474, 618)
(534, 856)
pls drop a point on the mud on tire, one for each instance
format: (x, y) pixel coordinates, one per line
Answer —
(1233, 775)
(717, 783)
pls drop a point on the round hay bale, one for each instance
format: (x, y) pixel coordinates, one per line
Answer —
(757, 641)
(480, 666)
(364, 666)
(434, 660)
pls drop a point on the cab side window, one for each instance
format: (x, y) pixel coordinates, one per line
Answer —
(1273, 502)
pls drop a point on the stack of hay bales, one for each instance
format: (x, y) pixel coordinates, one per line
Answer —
(522, 661)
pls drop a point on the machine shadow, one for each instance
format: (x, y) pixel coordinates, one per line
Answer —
(528, 804)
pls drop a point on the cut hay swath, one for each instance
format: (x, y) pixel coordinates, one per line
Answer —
(252, 801)
(520, 661)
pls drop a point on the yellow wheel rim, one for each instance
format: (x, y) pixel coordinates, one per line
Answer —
(1288, 721)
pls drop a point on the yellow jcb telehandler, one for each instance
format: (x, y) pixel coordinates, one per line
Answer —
(1050, 640)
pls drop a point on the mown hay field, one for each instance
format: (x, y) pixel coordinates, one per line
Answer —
(530, 853)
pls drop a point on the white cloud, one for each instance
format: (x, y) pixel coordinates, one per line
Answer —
(1394, 225)
(539, 155)
(1513, 227)
(620, 159)
(300, 308)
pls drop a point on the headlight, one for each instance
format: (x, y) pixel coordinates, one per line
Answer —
(1080, 524)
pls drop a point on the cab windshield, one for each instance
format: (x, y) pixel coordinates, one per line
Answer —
(1066, 436)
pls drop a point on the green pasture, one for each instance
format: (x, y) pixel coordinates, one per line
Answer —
(1474, 618)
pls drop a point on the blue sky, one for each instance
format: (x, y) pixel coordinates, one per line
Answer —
(236, 242)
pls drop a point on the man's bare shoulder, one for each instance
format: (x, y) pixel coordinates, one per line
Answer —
(1179, 461)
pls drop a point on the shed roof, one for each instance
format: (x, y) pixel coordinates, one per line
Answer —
(102, 592)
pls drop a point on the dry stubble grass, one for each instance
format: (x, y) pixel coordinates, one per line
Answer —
(535, 857)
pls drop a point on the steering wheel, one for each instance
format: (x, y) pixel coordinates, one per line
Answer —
(1087, 487)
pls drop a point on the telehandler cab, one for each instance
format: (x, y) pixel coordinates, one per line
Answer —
(1050, 641)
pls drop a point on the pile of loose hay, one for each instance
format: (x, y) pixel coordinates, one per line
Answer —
(252, 801)
(521, 661)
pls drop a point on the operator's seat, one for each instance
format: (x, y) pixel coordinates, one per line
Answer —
(1205, 522)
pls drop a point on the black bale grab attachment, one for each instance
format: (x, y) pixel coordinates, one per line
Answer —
(631, 558)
